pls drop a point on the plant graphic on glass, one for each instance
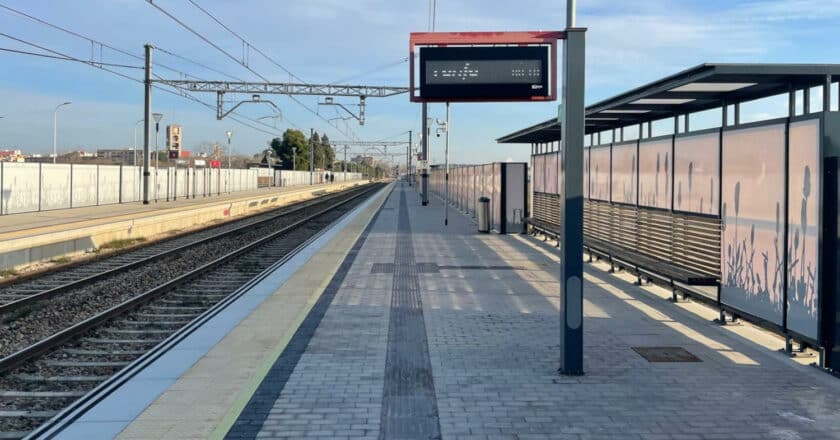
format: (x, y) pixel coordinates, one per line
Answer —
(741, 260)
(801, 275)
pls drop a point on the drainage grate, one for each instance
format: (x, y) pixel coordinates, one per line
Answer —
(382, 268)
(666, 354)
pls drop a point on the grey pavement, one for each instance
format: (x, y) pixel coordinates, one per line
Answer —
(493, 347)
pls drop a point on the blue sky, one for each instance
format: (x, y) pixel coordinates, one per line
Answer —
(628, 44)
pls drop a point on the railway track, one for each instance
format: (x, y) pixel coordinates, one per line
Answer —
(19, 294)
(40, 380)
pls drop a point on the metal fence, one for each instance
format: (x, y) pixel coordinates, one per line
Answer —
(502, 183)
(28, 187)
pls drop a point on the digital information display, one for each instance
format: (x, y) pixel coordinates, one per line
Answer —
(484, 73)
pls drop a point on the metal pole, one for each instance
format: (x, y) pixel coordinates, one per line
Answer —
(55, 130)
(157, 166)
(147, 117)
(408, 159)
(55, 135)
(446, 173)
(311, 157)
(425, 146)
(344, 165)
(571, 267)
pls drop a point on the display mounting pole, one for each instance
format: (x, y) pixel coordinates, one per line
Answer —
(408, 159)
(572, 132)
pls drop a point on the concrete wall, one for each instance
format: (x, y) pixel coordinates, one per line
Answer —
(28, 187)
(21, 249)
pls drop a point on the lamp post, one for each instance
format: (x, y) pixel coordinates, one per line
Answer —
(55, 129)
(444, 127)
(135, 140)
(157, 117)
(229, 134)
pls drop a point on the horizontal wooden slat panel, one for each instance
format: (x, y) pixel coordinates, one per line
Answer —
(685, 240)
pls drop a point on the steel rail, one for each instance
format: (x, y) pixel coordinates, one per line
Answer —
(47, 344)
(58, 290)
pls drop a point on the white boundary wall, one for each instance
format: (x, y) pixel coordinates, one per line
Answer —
(28, 187)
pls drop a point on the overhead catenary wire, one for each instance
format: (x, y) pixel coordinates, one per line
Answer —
(242, 62)
(91, 40)
(62, 56)
(102, 65)
(66, 58)
(374, 70)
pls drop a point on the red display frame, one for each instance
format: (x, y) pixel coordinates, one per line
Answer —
(486, 39)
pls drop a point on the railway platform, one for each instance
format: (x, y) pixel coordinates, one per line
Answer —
(40, 236)
(392, 326)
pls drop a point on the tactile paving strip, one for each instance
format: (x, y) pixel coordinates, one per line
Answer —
(409, 404)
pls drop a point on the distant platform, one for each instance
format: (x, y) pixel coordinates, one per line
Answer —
(392, 326)
(40, 236)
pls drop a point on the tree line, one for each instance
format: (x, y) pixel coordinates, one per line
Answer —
(295, 146)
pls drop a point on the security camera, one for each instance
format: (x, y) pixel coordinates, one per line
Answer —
(437, 134)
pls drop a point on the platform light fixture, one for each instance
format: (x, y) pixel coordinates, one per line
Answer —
(627, 111)
(711, 87)
(663, 101)
(55, 129)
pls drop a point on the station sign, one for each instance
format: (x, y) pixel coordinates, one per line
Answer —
(483, 66)
(199, 163)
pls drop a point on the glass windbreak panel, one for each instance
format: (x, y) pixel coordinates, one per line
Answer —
(696, 165)
(753, 235)
(624, 173)
(655, 172)
(803, 227)
(600, 173)
(586, 173)
(539, 173)
(551, 173)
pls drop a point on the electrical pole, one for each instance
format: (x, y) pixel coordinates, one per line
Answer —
(408, 159)
(344, 165)
(146, 122)
(311, 157)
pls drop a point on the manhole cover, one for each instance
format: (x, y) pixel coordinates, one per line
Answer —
(666, 354)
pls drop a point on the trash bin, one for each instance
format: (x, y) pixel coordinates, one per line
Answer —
(483, 214)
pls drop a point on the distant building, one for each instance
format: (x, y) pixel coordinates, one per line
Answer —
(125, 156)
(174, 141)
(11, 156)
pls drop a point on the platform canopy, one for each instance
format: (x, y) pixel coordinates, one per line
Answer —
(704, 87)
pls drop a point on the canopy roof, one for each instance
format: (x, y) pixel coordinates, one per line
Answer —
(704, 87)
